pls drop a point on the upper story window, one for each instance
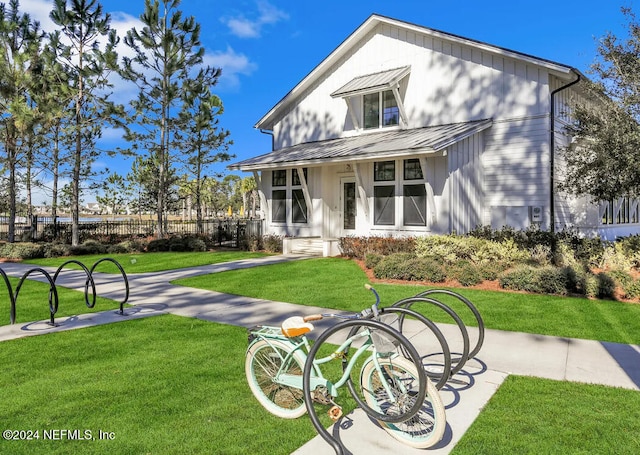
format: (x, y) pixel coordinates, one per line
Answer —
(380, 109)
(376, 100)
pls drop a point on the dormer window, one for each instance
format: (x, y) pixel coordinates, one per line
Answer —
(380, 109)
(376, 100)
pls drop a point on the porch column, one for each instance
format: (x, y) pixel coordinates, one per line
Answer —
(431, 202)
(362, 193)
(305, 192)
(257, 176)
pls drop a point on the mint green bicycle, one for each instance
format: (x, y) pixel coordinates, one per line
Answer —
(382, 371)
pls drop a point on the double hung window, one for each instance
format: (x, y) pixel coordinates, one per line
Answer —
(295, 203)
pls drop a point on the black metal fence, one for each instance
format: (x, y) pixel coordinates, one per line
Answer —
(221, 232)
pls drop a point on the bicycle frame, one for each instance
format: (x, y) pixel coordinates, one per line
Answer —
(301, 343)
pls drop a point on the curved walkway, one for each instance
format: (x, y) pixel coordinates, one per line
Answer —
(503, 353)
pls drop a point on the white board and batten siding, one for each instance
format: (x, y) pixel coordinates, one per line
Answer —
(449, 82)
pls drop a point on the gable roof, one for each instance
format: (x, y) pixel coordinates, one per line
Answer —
(267, 121)
(379, 145)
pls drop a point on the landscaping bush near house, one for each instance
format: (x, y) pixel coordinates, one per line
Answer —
(272, 243)
(404, 266)
(632, 289)
(451, 249)
(358, 247)
(467, 274)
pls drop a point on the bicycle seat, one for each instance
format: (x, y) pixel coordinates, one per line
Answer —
(295, 326)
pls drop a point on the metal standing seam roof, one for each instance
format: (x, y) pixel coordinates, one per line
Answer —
(372, 82)
(368, 146)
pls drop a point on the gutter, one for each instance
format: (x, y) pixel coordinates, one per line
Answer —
(270, 133)
(552, 143)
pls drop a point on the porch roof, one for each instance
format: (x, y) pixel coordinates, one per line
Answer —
(384, 144)
(372, 82)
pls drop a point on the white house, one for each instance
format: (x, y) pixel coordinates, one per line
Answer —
(406, 130)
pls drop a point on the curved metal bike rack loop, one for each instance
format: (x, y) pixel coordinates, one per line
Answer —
(471, 307)
(446, 352)
(53, 292)
(86, 284)
(12, 299)
(306, 375)
(124, 277)
(408, 302)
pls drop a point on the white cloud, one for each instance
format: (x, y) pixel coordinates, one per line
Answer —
(232, 64)
(244, 27)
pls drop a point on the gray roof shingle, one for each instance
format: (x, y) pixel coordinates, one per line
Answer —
(367, 146)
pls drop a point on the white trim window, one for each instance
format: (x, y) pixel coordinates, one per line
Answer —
(299, 211)
(380, 109)
(384, 192)
(414, 192)
(279, 196)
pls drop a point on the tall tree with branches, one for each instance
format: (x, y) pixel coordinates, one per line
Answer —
(83, 23)
(167, 51)
(604, 161)
(199, 135)
(20, 41)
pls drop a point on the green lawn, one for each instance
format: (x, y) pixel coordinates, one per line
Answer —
(338, 283)
(169, 384)
(150, 262)
(161, 385)
(541, 416)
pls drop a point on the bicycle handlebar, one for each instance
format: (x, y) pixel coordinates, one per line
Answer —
(312, 317)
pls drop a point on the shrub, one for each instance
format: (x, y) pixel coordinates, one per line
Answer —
(552, 280)
(54, 250)
(158, 245)
(393, 266)
(468, 275)
(622, 278)
(521, 278)
(21, 251)
(606, 286)
(632, 289)
(251, 243)
(492, 270)
(372, 259)
(272, 243)
(358, 247)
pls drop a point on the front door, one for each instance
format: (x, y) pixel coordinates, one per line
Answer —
(348, 206)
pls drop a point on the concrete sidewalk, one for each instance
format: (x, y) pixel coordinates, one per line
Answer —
(503, 353)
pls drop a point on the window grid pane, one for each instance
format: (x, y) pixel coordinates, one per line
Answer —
(415, 205)
(412, 169)
(371, 104)
(384, 205)
(299, 209)
(279, 178)
(384, 171)
(390, 111)
(279, 206)
(295, 178)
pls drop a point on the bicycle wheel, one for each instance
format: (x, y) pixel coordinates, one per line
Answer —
(263, 362)
(424, 429)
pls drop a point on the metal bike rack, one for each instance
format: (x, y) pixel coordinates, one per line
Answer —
(306, 376)
(53, 293)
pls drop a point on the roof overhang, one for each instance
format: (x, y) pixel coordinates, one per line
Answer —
(372, 146)
(371, 83)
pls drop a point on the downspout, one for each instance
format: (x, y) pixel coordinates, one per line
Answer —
(552, 143)
(270, 133)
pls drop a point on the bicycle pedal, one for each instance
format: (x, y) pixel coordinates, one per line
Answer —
(335, 413)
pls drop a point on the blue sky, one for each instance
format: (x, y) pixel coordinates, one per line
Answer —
(265, 47)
